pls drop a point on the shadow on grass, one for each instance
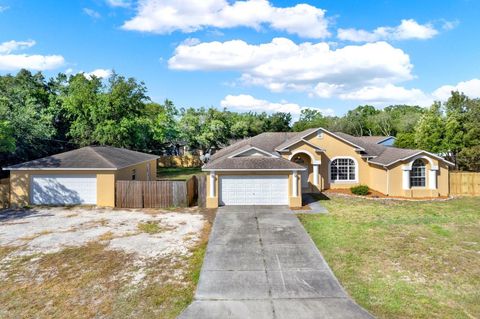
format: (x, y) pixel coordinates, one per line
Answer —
(313, 198)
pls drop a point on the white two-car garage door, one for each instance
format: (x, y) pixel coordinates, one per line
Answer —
(63, 189)
(253, 190)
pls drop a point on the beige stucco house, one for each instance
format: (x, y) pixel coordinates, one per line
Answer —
(276, 168)
(82, 176)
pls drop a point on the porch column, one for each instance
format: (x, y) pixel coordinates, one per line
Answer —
(432, 178)
(315, 174)
(212, 184)
(406, 177)
(295, 184)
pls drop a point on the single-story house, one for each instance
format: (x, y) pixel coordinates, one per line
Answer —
(83, 176)
(276, 168)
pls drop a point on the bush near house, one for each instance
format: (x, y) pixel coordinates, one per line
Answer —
(361, 190)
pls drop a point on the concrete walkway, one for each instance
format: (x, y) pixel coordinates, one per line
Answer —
(260, 263)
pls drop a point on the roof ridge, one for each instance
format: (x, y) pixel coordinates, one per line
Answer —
(100, 155)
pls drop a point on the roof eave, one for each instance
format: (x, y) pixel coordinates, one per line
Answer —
(251, 169)
(59, 169)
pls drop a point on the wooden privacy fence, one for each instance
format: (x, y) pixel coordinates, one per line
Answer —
(201, 190)
(4, 195)
(155, 194)
(465, 183)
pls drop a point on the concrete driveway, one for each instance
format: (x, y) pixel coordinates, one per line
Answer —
(260, 263)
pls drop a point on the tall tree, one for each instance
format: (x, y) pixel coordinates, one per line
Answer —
(430, 130)
(7, 140)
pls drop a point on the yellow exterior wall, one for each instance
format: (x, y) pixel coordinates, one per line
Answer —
(212, 202)
(388, 182)
(20, 182)
(396, 181)
(125, 174)
(378, 179)
(106, 189)
(333, 148)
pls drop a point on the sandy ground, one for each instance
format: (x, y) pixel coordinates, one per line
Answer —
(49, 230)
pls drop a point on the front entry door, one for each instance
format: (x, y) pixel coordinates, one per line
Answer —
(305, 174)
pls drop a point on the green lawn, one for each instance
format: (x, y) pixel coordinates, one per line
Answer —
(177, 172)
(404, 259)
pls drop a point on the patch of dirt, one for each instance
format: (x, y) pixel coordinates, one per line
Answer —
(372, 194)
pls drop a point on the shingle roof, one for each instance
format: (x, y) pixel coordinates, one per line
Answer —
(271, 142)
(296, 138)
(265, 141)
(380, 154)
(90, 157)
(253, 163)
(374, 139)
(393, 154)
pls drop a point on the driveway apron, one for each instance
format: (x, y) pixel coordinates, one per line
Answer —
(260, 263)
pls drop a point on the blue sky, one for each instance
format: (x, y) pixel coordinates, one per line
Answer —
(254, 54)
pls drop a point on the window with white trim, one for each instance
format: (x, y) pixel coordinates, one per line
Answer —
(342, 169)
(417, 174)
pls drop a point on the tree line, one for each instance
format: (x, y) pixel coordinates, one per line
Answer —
(40, 117)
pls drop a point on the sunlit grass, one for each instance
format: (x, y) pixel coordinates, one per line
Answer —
(404, 259)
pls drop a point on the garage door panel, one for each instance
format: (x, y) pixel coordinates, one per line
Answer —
(253, 190)
(63, 189)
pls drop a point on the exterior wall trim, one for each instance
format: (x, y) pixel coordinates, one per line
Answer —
(410, 156)
(62, 169)
(326, 131)
(252, 169)
(312, 158)
(357, 178)
(253, 148)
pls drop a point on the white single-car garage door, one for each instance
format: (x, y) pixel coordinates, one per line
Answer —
(63, 189)
(253, 190)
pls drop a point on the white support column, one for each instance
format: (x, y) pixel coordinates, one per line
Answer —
(295, 184)
(432, 178)
(315, 174)
(212, 184)
(406, 177)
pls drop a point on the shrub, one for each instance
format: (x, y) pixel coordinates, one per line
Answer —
(360, 190)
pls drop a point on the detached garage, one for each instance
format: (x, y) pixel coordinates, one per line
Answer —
(85, 176)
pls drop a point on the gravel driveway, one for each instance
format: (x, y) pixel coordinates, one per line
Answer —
(49, 230)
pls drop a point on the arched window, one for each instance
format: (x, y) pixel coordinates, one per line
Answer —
(342, 169)
(417, 174)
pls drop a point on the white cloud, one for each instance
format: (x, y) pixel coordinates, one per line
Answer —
(99, 73)
(92, 13)
(311, 67)
(449, 25)
(10, 46)
(166, 16)
(245, 103)
(3, 8)
(408, 29)
(470, 88)
(391, 94)
(388, 94)
(10, 62)
(119, 3)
